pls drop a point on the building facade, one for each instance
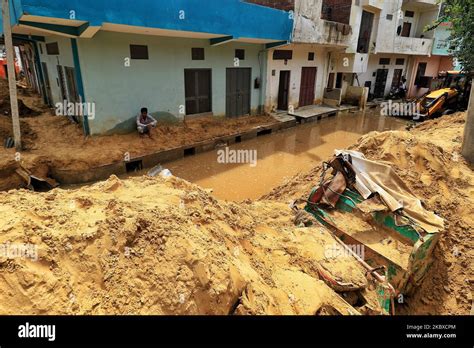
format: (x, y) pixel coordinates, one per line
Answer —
(187, 58)
(179, 58)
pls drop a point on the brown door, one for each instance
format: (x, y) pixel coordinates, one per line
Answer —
(365, 32)
(380, 81)
(308, 80)
(237, 91)
(397, 78)
(197, 86)
(406, 29)
(47, 84)
(283, 90)
(71, 84)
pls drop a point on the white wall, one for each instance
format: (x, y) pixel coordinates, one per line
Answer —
(310, 28)
(374, 65)
(300, 59)
(64, 58)
(119, 91)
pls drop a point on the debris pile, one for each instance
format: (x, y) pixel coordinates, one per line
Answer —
(429, 161)
(155, 245)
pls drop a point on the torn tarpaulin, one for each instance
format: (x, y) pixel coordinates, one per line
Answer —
(373, 176)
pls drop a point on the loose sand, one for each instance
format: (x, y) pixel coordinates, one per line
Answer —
(54, 141)
(165, 246)
(428, 158)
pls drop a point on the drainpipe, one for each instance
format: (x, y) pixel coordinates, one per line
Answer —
(80, 85)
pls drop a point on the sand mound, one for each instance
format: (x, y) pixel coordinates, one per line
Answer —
(428, 158)
(165, 246)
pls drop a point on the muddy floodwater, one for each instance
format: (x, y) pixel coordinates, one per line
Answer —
(279, 156)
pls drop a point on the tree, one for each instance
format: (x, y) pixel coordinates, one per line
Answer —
(460, 13)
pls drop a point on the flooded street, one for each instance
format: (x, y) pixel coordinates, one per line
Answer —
(280, 155)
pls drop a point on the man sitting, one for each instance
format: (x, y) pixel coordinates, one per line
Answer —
(145, 123)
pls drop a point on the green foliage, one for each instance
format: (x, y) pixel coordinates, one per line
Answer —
(461, 14)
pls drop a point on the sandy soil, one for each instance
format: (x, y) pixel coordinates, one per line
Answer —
(52, 141)
(428, 158)
(165, 246)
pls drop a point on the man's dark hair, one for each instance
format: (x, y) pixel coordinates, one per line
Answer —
(144, 110)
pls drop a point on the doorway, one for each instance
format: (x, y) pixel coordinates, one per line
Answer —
(365, 32)
(406, 29)
(62, 83)
(197, 91)
(380, 82)
(283, 89)
(47, 84)
(237, 91)
(308, 80)
(397, 78)
(73, 93)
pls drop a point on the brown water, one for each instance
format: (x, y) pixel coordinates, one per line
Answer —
(280, 155)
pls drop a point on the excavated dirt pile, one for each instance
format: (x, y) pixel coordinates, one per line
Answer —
(165, 246)
(23, 109)
(428, 158)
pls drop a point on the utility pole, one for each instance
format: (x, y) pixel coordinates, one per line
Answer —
(468, 140)
(7, 34)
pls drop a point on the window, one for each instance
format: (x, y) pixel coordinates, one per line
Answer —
(197, 53)
(420, 72)
(389, 17)
(240, 54)
(336, 10)
(409, 14)
(41, 48)
(52, 48)
(138, 51)
(282, 54)
(399, 61)
(311, 56)
(384, 61)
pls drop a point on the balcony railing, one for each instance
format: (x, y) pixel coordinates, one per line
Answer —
(421, 2)
(412, 45)
(372, 4)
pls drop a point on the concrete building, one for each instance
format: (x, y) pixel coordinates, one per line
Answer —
(179, 58)
(401, 40)
(426, 69)
(297, 72)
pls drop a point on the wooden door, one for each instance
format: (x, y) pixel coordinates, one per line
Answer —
(308, 80)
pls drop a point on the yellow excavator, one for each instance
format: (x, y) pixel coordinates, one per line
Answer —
(452, 94)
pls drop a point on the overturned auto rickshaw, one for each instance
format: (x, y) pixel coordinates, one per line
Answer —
(366, 205)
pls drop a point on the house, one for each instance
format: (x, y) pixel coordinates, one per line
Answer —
(178, 58)
(426, 69)
(401, 41)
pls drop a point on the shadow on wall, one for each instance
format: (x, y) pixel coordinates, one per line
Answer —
(130, 125)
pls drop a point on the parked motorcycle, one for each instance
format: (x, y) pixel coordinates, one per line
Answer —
(397, 93)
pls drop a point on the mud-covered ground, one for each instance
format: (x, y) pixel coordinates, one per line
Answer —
(428, 159)
(54, 141)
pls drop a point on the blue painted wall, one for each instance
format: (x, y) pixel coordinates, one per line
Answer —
(15, 13)
(227, 17)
